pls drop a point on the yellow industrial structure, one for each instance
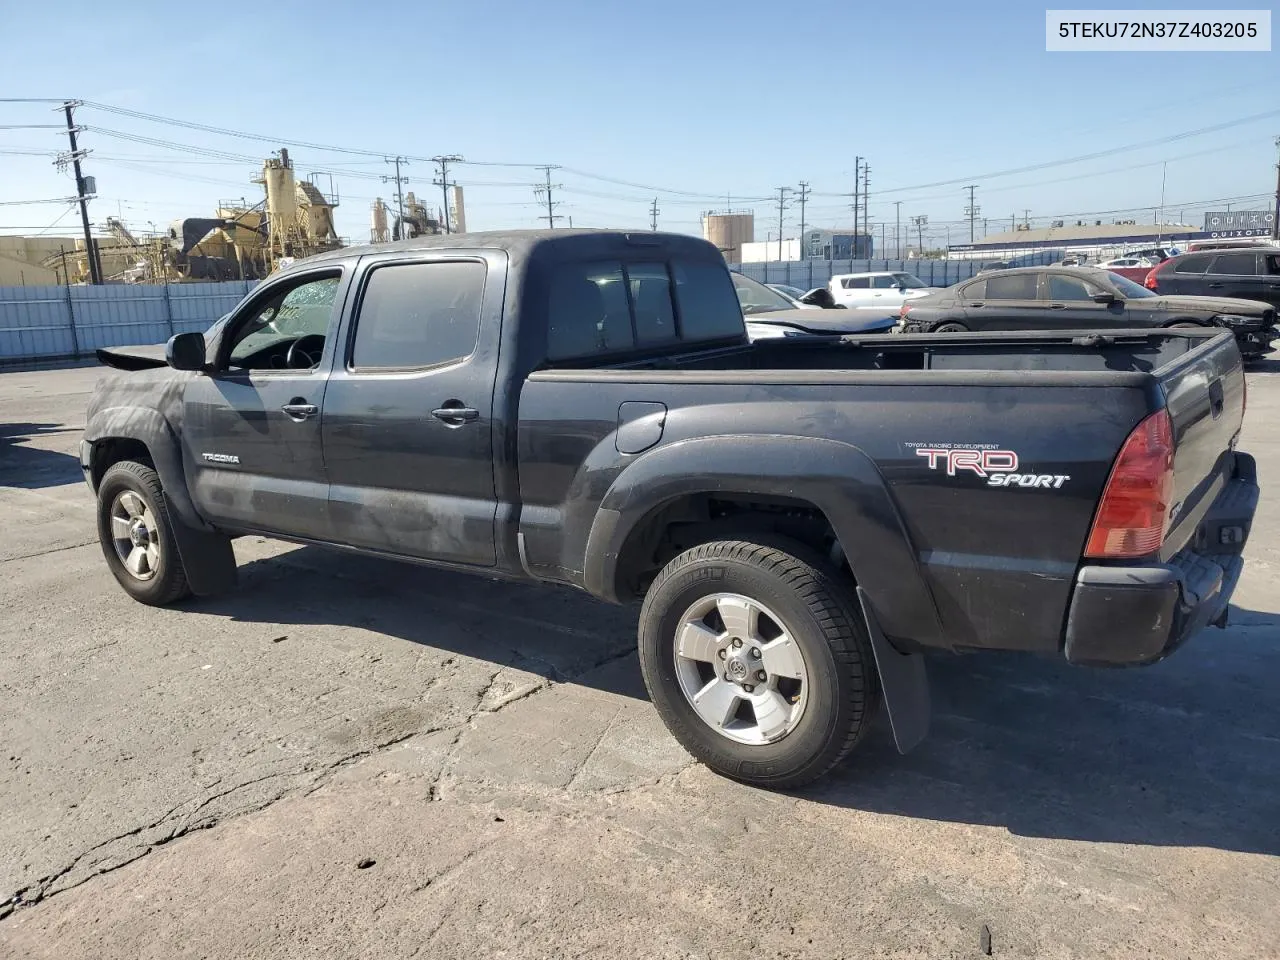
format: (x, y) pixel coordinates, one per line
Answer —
(294, 219)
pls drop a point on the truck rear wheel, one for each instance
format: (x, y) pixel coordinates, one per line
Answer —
(757, 661)
(136, 535)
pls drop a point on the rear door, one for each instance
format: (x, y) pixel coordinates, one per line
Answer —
(1270, 270)
(1012, 302)
(854, 292)
(1185, 275)
(408, 416)
(251, 426)
(1234, 273)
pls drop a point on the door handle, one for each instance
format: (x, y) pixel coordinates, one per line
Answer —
(1057, 306)
(980, 303)
(1215, 286)
(455, 414)
(299, 409)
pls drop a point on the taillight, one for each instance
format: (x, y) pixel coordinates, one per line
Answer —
(1150, 282)
(1133, 516)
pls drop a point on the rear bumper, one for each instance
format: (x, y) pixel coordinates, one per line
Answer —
(1125, 616)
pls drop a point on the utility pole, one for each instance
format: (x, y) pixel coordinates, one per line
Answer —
(971, 211)
(866, 198)
(920, 223)
(444, 184)
(653, 214)
(857, 180)
(1275, 227)
(897, 230)
(84, 191)
(399, 181)
(1026, 218)
(1164, 171)
(782, 205)
(804, 196)
(544, 191)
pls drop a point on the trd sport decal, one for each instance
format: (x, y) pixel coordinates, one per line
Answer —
(998, 467)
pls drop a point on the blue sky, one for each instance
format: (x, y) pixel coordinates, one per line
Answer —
(712, 99)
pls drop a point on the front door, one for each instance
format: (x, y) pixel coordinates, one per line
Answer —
(1234, 273)
(252, 425)
(408, 414)
(1070, 306)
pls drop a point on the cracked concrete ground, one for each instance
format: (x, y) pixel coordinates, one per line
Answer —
(350, 758)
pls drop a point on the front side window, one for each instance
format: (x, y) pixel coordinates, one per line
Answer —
(883, 283)
(1235, 264)
(910, 281)
(297, 315)
(1066, 288)
(415, 315)
(1015, 286)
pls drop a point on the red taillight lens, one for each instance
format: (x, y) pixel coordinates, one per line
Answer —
(1151, 282)
(1133, 516)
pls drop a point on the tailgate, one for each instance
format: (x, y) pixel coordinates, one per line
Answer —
(1204, 394)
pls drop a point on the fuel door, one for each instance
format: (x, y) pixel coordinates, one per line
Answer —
(640, 424)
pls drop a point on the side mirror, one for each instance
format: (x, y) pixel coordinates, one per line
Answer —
(1104, 297)
(185, 351)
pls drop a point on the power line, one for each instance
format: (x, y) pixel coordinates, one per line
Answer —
(971, 211)
(84, 190)
(442, 162)
(653, 214)
(804, 196)
(400, 180)
(782, 206)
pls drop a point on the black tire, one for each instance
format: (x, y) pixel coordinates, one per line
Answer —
(951, 327)
(820, 614)
(167, 581)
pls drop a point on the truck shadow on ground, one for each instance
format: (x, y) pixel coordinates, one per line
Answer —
(1183, 753)
(32, 467)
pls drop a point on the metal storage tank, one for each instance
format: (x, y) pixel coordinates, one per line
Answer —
(282, 197)
(729, 230)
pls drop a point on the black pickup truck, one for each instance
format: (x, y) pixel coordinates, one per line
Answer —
(801, 517)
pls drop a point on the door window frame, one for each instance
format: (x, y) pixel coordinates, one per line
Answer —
(268, 291)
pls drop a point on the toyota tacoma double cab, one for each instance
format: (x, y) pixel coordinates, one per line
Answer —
(801, 519)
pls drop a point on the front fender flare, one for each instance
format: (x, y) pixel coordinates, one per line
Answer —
(837, 478)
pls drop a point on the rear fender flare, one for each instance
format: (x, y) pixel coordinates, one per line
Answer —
(837, 478)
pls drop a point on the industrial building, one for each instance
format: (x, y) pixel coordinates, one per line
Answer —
(1098, 240)
(817, 244)
(729, 230)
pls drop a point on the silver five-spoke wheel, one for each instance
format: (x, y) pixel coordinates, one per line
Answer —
(740, 668)
(135, 535)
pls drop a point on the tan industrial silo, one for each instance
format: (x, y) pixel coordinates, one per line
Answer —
(729, 230)
(378, 232)
(457, 212)
(282, 190)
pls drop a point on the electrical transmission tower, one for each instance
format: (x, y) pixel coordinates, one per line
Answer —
(782, 206)
(442, 181)
(653, 214)
(920, 223)
(399, 180)
(544, 191)
(804, 197)
(971, 211)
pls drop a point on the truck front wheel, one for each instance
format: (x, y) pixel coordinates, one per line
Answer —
(757, 661)
(136, 536)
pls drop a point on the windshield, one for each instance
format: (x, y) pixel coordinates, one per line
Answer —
(909, 281)
(1131, 290)
(756, 298)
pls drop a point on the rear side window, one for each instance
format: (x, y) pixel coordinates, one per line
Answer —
(589, 312)
(975, 291)
(1016, 286)
(1235, 264)
(609, 307)
(418, 315)
(856, 283)
(1271, 264)
(1196, 263)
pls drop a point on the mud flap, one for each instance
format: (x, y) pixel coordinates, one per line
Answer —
(207, 558)
(903, 682)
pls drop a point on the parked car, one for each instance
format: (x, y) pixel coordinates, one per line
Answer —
(1131, 268)
(994, 265)
(1082, 298)
(1249, 274)
(810, 323)
(885, 290)
(799, 517)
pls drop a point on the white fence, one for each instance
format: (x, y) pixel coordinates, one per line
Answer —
(57, 323)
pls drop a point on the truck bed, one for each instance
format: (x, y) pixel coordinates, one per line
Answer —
(1063, 405)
